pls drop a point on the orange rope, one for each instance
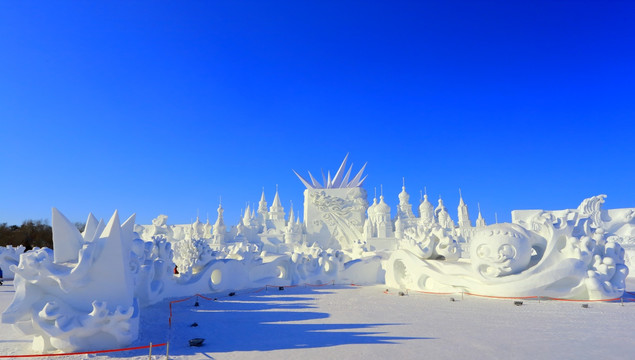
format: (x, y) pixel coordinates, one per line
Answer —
(83, 353)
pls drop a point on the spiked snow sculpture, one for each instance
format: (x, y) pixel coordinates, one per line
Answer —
(334, 213)
(81, 296)
(339, 181)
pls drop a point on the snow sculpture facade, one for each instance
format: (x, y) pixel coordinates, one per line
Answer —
(567, 254)
(334, 213)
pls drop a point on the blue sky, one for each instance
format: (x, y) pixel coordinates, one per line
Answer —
(160, 107)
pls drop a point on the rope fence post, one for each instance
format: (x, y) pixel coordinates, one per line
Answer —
(167, 350)
(150, 352)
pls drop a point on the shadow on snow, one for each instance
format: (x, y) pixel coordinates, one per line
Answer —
(261, 321)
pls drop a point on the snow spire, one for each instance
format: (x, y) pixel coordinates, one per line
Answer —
(426, 210)
(219, 226)
(276, 212)
(404, 209)
(262, 207)
(276, 206)
(464, 216)
(291, 216)
(220, 222)
(479, 220)
(247, 216)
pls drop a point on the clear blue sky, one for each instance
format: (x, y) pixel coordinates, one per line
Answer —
(163, 106)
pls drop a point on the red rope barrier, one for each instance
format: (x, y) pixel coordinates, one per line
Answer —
(435, 293)
(576, 300)
(83, 353)
(522, 297)
(502, 297)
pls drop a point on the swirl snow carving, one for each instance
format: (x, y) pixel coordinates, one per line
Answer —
(570, 258)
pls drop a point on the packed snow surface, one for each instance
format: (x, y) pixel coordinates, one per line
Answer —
(353, 322)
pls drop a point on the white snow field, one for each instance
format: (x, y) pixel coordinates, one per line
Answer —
(350, 322)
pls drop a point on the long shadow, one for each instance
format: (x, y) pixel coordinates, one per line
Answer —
(258, 322)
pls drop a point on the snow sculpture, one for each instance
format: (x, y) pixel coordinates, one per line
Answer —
(9, 256)
(555, 254)
(81, 296)
(334, 213)
(153, 269)
(191, 255)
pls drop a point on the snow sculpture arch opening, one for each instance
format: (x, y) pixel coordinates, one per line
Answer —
(217, 277)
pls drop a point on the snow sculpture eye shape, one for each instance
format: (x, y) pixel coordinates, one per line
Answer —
(500, 250)
(483, 251)
(507, 251)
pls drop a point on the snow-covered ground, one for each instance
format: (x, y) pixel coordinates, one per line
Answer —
(348, 322)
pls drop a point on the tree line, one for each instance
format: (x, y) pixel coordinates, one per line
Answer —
(32, 233)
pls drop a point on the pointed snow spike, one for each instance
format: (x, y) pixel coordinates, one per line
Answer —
(356, 180)
(113, 226)
(361, 182)
(276, 200)
(100, 229)
(90, 227)
(326, 185)
(337, 179)
(291, 215)
(67, 241)
(127, 228)
(316, 184)
(346, 177)
(114, 260)
(329, 181)
(306, 183)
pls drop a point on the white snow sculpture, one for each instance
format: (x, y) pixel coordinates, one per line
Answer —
(9, 256)
(192, 255)
(555, 254)
(334, 213)
(153, 269)
(77, 301)
(431, 242)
